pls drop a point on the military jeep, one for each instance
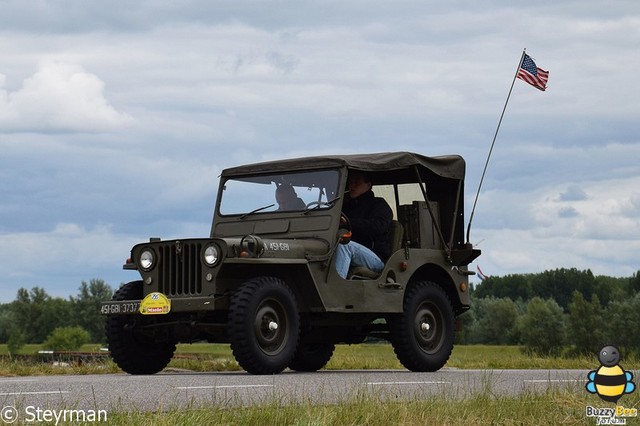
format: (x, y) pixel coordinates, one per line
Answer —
(265, 280)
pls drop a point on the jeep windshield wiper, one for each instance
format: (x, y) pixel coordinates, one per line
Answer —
(256, 211)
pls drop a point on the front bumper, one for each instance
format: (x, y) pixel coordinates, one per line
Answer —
(132, 307)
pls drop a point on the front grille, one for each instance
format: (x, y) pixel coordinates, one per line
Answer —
(180, 269)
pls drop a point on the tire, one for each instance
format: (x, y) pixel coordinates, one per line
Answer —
(133, 352)
(312, 357)
(422, 335)
(264, 325)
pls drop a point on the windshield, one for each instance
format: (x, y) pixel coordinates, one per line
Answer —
(279, 192)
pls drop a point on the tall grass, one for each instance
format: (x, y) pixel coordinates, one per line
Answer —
(559, 406)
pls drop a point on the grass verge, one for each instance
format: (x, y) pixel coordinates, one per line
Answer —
(215, 357)
(560, 405)
(556, 407)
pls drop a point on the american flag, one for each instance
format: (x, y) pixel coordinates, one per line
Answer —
(529, 72)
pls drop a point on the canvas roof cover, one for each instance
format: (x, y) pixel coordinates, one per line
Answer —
(451, 166)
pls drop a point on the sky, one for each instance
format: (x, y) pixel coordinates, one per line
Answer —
(116, 119)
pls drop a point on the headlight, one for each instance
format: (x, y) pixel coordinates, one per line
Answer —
(147, 260)
(211, 255)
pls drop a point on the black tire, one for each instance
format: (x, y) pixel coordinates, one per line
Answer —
(422, 335)
(312, 357)
(133, 352)
(264, 325)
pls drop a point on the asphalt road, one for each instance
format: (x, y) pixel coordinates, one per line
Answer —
(175, 389)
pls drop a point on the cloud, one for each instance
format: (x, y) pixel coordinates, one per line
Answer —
(573, 193)
(59, 97)
(535, 231)
(523, 252)
(115, 126)
(567, 212)
(69, 253)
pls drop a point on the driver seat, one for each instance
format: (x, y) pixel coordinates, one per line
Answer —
(396, 236)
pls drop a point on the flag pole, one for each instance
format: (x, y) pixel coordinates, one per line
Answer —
(484, 171)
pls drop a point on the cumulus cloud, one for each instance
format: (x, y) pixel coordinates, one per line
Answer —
(59, 97)
(216, 84)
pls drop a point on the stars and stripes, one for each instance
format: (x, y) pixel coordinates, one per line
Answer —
(530, 73)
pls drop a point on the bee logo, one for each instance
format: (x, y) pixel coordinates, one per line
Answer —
(610, 381)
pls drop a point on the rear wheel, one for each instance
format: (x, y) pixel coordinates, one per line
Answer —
(422, 335)
(133, 351)
(264, 325)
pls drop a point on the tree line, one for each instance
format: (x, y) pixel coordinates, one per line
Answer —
(34, 316)
(550, 313)
(562, 311)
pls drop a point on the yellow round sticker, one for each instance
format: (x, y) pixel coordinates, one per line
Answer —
(155, 304)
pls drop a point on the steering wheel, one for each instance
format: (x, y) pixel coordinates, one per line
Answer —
(317, 203)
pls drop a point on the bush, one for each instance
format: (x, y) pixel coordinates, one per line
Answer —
(67, 339)
(496, 327)
(585, 324)
(543, 328)
(15, 342)
(620, 321)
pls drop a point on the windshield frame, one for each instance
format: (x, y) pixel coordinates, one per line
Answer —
(250, 195)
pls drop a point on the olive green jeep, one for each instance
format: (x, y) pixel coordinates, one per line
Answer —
(265, 280)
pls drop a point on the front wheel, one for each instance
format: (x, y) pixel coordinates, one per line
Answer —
(131, 349)
(422, 335)
(264, 325)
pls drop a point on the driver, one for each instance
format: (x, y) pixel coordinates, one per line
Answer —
(370, 219)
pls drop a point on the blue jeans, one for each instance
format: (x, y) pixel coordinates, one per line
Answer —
(356, 254)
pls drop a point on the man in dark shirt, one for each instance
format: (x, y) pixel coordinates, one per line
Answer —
(370, 218)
